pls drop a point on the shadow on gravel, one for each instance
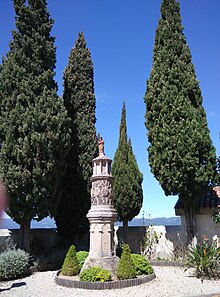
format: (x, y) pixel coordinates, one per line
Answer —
(15, 285)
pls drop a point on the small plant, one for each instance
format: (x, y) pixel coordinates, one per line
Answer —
(162, 259)
(126, 268)
(95, 274)
(141, 264)
(205, 258)
(81, 257)
(7, 244)
(216, 217)
(70, 265)
(53, 261)
(13, 264)
(151, 238)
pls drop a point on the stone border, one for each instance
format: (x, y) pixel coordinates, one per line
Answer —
(67, 282)
(167, 263)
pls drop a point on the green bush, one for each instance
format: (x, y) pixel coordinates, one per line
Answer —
(95, 274)
(126, 268)
(205, 258)
(13, 264)
(53, 261)
(42, 263)
(70, 265)
(81, 257)
(141, 264)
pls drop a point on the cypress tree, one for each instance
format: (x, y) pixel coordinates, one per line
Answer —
(33, 120)
(181, 154)
(127, 190)
(70, 264)
(126, 267)
(138, 179)
(79, 100)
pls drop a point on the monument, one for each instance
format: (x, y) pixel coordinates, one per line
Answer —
(102, 215)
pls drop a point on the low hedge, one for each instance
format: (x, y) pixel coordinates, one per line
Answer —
(142, 265)
(95, 274)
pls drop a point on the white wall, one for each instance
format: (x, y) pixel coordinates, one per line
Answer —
(207, 227)
(204, 226)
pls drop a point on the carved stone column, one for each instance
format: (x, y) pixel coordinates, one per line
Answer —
(102, 215)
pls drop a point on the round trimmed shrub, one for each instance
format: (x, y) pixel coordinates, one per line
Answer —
(13, 264)
(70, 265)
(142, 265)
(126, 268)
(81, 257)
(95, 274)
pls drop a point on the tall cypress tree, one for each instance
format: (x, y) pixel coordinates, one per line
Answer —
(33, 120)
(138, 179)
(79, 100)
(181, 154)
(127, 190)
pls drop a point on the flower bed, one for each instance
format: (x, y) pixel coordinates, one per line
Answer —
(71, 282)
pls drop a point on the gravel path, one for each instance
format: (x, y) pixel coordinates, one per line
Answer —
(169, 282)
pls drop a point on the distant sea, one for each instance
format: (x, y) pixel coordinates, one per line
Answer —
(48, 223)
(8, 223)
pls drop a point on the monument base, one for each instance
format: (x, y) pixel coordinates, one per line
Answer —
(109, 263)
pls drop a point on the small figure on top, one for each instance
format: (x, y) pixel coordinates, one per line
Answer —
(101, 146)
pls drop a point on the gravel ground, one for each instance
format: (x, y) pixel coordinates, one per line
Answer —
(169, 282)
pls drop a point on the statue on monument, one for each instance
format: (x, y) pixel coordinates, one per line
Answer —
(101, 146)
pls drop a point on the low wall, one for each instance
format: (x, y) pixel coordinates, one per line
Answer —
(136, 236)
(43, 240)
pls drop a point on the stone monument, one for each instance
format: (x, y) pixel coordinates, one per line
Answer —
(102, 215)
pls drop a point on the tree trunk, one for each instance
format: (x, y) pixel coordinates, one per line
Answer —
(190, 218)
(125, 230)
(25, 235)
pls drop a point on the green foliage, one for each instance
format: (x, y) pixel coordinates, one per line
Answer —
(181, 153)
(79, 100)
(126, 268)
(53, 261)
(127, 189)
(95, 274)
(141, 264)
(216, 217)
(13, 264)
(70, 264)
(81, 257)
(33, 121)
(150, 239)
(205, 258)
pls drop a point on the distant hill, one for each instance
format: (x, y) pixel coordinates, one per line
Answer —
(8, 223)
(173, 221)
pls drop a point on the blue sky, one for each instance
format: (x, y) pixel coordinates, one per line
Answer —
(120, 35)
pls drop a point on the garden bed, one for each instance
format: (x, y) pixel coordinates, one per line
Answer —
(74, 282)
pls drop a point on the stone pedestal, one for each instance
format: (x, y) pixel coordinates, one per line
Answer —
(102, 216)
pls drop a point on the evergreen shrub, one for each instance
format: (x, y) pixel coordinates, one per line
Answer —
(126, 268)
(70, 265)
(81, 257)
(13, 264)
(141, 264)
(52, 261)
(95, 274)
